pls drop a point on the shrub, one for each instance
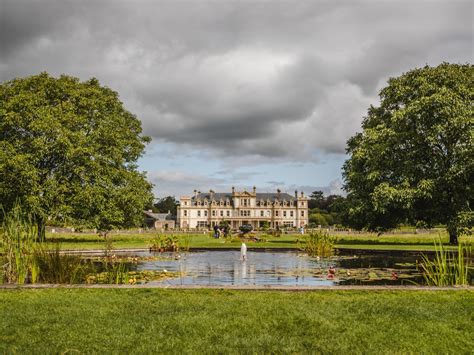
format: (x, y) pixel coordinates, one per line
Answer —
(318, 244)
(318, 219)
(164, 243)
(246, 228)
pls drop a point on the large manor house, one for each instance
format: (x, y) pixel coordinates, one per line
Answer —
(276, 210)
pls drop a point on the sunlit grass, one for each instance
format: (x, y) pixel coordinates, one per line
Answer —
(223, 321)
(74, 241)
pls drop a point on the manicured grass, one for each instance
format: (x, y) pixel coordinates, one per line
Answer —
(229, 321)
(398, 241)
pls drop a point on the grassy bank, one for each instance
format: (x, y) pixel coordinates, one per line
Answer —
(170, 321)
(345, 240)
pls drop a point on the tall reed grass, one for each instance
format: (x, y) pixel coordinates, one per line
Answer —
(448, 268)
(18, 242)
(26, 259)
(318, 243)
(56, 267)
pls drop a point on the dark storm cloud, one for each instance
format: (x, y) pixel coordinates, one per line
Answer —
(264, 79)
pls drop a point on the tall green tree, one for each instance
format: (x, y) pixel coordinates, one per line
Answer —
(316, 199)
(414, 159)
(68, 152)
(166, 204)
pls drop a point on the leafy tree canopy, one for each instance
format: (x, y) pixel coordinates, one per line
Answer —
(68, 152)
(318, 219)
(414, 159)
(166, 204)
(316, 199)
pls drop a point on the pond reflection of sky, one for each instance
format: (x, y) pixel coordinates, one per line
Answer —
(260, 268)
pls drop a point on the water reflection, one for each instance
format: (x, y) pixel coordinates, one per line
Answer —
(277, 268)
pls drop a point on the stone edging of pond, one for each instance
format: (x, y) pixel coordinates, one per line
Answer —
(246, 288)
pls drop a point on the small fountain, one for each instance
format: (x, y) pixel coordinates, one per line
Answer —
(243, 252)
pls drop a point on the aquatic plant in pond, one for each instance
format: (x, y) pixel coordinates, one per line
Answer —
(448, 268)
(108, 243)
(119, 272)
(57, 267)
(164, 243)
(116, 272)
(18, 241)
(122, 270)
(318, 243)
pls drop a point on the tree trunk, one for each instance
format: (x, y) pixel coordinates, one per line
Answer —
(453, 235)
(41, 224)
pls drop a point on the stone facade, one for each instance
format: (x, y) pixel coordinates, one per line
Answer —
(277, 210)
(159, 221)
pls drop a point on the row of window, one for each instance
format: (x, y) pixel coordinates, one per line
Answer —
(246, 202)
(204, 224)
(243, 213)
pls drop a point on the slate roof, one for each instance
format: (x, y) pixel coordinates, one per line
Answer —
(158, 216)
(272, 196)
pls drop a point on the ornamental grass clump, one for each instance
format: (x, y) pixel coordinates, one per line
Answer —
(60, 268)
(18, 242)
(164, 243)
(318, 243)
(116, 272)
(448, 268)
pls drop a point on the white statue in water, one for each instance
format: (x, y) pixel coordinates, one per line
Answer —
(243, 252)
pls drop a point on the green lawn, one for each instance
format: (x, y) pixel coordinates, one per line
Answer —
(229, 321)
(354, 241)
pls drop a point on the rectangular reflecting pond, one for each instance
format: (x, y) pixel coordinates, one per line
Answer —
(289, 268)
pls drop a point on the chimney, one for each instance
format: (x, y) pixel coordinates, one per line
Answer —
(302, 194)
(296, 193)
(211, 193)
(233, 190)
(254, 189)
(278, 193)
(195, 193)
